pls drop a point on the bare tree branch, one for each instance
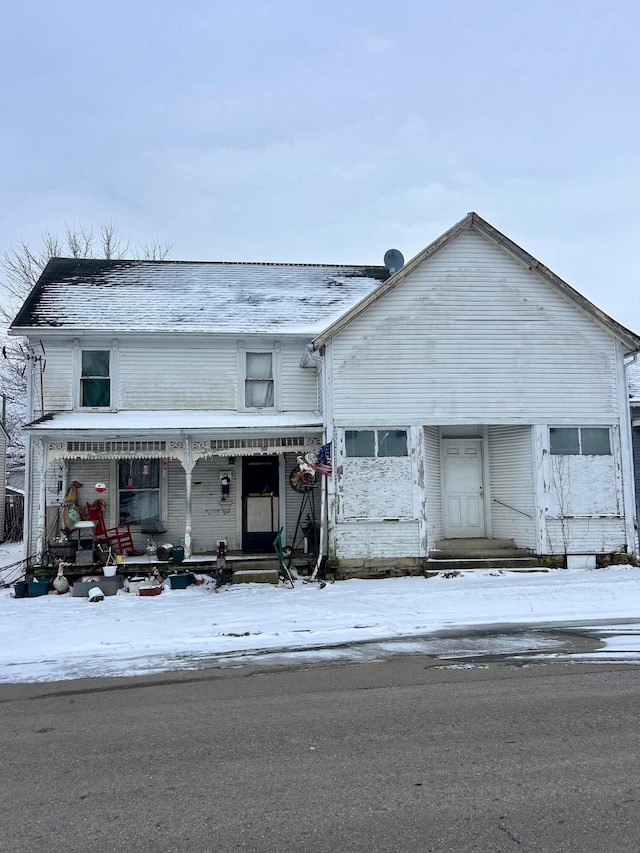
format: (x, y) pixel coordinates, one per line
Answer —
(20, 269)
(153, 250)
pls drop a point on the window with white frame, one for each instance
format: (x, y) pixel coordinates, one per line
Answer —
(259, 391)
(579, 441)
(95, 379)
(375, 443)
(139, 491)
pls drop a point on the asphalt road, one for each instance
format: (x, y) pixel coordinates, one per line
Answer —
(401, 755)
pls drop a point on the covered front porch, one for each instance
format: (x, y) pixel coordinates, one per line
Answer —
(197, 487)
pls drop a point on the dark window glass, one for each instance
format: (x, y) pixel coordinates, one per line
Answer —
(139, 491)
(564, 441)
(595, 441)
(95, 384)
(392, 442)
(359, 442)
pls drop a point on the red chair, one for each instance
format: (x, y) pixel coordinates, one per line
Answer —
(119, 539)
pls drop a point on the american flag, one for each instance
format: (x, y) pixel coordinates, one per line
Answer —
(322, 462)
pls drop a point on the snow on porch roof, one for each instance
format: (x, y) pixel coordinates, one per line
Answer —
(193, 296)
(183, 421)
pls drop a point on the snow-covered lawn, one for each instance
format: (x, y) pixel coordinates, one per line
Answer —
(56, 637)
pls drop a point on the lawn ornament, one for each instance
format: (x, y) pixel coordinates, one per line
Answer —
(71, 512)
(60, 583)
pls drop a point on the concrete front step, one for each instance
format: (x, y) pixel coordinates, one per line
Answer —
(478, 554)
(238, 564)
(255, 576)
(486, 563)
(479, 543)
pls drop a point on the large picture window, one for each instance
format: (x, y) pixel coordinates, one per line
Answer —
(579, 441)
(376, 443)
(95, 381)
(139, 491)
(258, 384)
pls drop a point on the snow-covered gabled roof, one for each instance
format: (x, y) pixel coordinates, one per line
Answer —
(193, 296)
(474, 222)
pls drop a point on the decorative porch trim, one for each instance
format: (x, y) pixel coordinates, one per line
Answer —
(283, 442)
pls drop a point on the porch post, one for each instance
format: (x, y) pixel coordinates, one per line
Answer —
(42, 496)
(188, 469)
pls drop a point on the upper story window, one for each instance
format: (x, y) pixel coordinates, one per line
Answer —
(95, 379)
(379, 442)
(579, 441)
(259, 392)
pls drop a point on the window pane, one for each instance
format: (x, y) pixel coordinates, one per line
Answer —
(136, 507)
(95, 362)
(94, 392)
(359, 442)
(258, 393)
(259, 365)
(139, 490)
(139, 474)
(595, 441)
(392, 442)
(564, 441)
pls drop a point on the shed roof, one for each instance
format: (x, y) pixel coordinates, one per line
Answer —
(193, 296)
(474, 222)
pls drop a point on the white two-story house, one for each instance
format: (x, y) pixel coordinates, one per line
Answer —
(469, 395)
(179, 388)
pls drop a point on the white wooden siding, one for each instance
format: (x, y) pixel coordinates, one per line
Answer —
(57, 377)
(299, 384)
(164, 373)
(178, 372)
(211, 518)
(472, 335)
(88, 472)
(375, 539)
(511, 486)
(3, 479)
(433, 486)
(585, 535)
(636, 466)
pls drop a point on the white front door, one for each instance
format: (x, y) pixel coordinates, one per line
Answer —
(463, 505)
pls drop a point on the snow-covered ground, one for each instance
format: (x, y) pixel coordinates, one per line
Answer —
(55, 637)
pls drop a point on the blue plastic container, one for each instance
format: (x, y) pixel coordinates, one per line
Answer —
(21, 589)
(181, 581)
(177, 554)
(38, 586)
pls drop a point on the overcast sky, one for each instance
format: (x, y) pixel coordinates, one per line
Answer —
(328, 132)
